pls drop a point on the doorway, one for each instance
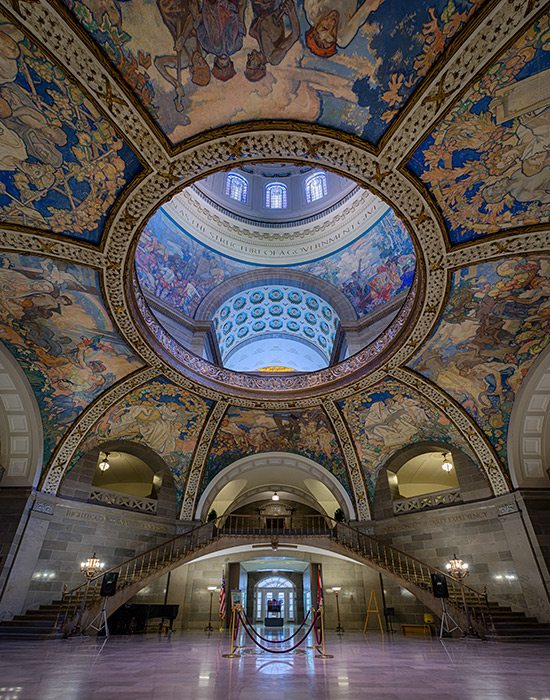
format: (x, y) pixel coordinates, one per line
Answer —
(275, 588)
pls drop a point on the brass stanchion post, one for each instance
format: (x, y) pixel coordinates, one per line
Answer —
(323, 651)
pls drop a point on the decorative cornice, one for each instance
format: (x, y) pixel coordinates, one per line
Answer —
(51, 246)
(499, 246)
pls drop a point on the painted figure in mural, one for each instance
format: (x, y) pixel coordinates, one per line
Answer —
(527, 177)
(220, 32)
(181, 19)
(269, 29)
(334, 24)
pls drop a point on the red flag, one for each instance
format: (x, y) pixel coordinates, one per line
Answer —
(222, 598)
(319, 587)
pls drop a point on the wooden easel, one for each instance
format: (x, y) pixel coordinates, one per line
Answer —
(372, 607)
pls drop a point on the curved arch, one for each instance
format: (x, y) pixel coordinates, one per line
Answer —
(21, 434)
(273, 459)
(258, 278)
(529, 428)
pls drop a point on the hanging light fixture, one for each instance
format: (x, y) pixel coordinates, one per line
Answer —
(446, 465)
(275, 496)
(104, 463)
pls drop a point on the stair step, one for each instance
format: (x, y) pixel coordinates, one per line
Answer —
(42, 624)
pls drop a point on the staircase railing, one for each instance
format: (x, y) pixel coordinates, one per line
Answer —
(275, 530)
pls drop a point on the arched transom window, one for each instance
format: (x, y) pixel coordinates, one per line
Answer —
(316, 187)
(236, 187)
(276, 196)
(275, 582)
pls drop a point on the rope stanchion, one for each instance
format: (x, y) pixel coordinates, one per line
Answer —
(275, 641)
(277, 651)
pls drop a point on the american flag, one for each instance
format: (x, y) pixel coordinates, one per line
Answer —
(222, 598)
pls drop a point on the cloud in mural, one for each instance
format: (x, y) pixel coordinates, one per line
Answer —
(159, 415)
(495, 324)
(52, 319)
(390, 416)
(247, 431)
(345, 64)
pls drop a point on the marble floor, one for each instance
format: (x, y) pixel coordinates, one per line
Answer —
(190, 666)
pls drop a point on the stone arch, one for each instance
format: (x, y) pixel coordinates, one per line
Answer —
(21, 433)
(529, 428)
(77, 482)
(472, 480)
(300, 464)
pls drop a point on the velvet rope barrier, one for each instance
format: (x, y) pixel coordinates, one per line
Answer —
(278, 651)
(275, 641)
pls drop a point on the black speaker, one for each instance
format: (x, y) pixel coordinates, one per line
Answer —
(439, 586)
(108, 585)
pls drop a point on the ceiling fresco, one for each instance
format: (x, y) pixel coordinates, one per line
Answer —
(180, 272)
(53, 321)
(495, 323)
(245, 431)
(390, 416)
(488, 161)
(161, 416)
(345, 64)
(62, 165)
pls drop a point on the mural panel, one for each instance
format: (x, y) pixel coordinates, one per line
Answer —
(180, 272)
(346, 64)
(488, 162)
(248, 431)
(161, 416)
(496, 322)
(52, 319)
(391, 416)
(62, 165)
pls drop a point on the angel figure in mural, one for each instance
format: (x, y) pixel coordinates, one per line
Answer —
(269, 29)
(335, 24)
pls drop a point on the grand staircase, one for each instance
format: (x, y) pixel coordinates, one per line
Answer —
(468, 607)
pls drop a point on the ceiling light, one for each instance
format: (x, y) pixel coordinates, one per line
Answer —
(446, 465)
(104, 463)
(275, 496)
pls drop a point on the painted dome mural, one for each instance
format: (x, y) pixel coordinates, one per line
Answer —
(185, 268)
(322, 231)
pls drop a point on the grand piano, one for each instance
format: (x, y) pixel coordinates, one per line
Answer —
(132, 618)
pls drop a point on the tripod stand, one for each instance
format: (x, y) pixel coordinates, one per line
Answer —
(445, 618)
(100, 620)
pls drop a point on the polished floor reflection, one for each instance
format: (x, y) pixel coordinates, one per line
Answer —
(191, 666)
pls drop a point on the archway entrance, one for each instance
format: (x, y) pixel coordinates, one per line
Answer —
(275, 596)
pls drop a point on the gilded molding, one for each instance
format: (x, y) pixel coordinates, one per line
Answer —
(351, 459)
(51, 246)
(199, 460)
(497, 247)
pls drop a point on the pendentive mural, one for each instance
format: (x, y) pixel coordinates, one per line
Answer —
(244, 431)
(201, 64)
(495, 323)
(180, 272)
(161, 416)
(488, 161)
(390, 416)
(53, 321)
(62, 165)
